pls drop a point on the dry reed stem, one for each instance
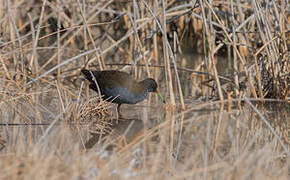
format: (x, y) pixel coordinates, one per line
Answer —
(203, 142)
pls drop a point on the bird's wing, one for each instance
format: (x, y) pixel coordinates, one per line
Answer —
(111, 79)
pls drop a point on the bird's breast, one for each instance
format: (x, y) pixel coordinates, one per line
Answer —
(122, 95)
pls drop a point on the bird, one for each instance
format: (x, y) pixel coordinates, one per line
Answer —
(119, 87)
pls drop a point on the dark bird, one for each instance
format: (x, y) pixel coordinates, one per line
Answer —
(119, 87)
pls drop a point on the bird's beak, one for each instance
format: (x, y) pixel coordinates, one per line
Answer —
(159, 94)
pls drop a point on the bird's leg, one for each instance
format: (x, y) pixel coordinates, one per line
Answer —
(118, 111)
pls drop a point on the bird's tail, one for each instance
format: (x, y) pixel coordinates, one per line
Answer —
(87, 74)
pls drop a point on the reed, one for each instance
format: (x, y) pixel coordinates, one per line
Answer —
(52, 128)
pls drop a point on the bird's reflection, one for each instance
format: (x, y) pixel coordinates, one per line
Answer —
(127, 129)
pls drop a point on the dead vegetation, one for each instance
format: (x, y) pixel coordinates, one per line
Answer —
(51, 128)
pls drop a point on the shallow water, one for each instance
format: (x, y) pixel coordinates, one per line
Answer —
(205, 133)
(151, 112)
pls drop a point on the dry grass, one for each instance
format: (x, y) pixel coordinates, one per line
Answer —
(51, 128)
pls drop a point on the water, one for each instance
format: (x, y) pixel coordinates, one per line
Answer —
(149, 134)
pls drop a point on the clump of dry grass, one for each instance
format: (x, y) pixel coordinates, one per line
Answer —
(95, 113)
(44, 44)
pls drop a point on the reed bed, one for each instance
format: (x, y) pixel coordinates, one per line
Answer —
(234, 123)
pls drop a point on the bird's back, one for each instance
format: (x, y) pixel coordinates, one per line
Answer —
(110, 78)
(116, 85)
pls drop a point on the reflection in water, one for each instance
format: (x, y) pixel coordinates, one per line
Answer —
(135, 118)
(205, 140)
(203, 135)
(125, 129)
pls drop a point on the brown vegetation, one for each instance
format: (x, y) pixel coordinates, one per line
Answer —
(52, 129)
